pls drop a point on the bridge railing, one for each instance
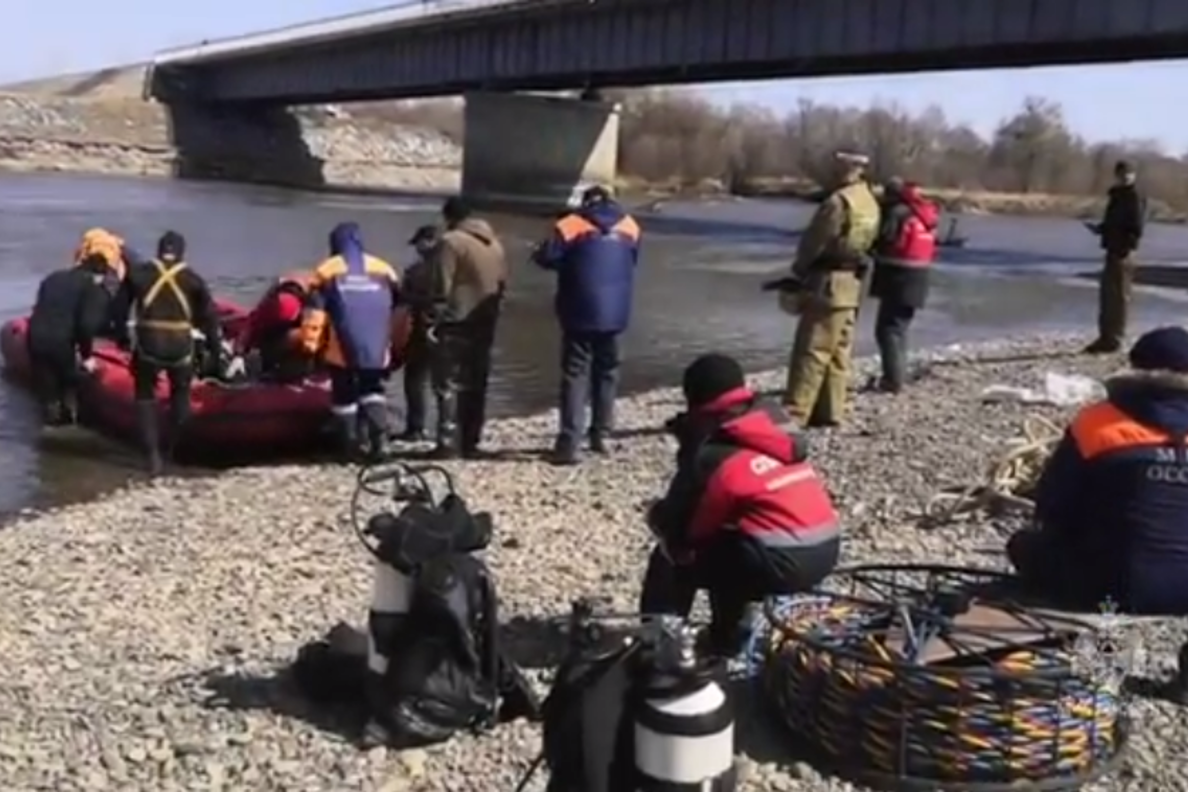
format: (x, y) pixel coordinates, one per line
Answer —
(409, 12)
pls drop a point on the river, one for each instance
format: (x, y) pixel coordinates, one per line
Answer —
(697, 290)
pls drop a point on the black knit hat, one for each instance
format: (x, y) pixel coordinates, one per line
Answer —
(1162, 349)
(171, 246)
(709, 377)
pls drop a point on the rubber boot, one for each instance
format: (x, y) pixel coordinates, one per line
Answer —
(448, 439)
(150, 435)
(375, 420)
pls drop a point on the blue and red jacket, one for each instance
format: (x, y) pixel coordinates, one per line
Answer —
(739, 469)
(1115, 492)
(594, 252)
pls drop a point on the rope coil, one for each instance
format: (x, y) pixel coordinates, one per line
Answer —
(1011, 477)
(1019, 713)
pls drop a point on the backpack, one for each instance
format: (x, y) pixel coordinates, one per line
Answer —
(446, 671)
(444, 676)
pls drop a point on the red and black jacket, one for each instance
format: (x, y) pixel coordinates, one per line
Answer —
(739, 469)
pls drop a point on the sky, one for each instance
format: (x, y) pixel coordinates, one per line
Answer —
(48, 37)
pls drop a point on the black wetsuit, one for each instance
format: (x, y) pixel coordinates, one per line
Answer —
(71, 310)
(168, 301)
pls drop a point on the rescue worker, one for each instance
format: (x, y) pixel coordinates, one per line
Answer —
(156, 311)
(1112, 502)
(103, 243)
(826, 291)
(904, 253)
(418, 291)
(593, 251)
(745, 516)
(352, 296)
(1120, 230)
(469, 278)
(274, 329)
(70, 312)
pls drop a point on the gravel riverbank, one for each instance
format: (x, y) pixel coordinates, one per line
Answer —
(141, 633)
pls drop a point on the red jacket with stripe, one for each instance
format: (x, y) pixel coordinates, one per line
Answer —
(739, 469)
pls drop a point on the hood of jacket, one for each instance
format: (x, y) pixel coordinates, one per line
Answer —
(926, 210)
(478, 229)
(737, 417)
(1153, 398)
(346, 240)
(603, 215)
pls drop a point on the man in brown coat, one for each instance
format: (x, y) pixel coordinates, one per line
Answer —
(469, 277)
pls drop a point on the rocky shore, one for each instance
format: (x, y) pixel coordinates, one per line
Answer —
(130, 137)
(143, 634)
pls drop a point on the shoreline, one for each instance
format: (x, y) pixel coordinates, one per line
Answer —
(1007, 348)
(170, 609)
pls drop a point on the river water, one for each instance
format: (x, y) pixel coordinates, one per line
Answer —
(697, 289)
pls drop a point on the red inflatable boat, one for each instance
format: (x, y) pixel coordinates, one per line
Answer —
(228, 421)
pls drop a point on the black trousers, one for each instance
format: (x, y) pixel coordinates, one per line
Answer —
(891, 328)
(460, 370)
(417, 376)
(1056, 571)
(147, 373)
(589, 374)
(55, 378)
(735, 571)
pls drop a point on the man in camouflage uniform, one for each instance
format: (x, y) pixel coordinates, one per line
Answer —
(826, 288)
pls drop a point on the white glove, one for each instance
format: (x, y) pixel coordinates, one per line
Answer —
(236, 367)
(89, 365)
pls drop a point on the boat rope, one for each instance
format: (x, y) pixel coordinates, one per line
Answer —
(1010, 480)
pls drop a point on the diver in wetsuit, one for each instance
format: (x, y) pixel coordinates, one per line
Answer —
(70, 312)
(166, 302)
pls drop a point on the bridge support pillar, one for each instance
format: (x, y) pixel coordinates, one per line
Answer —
(243, 143)
(537, 152)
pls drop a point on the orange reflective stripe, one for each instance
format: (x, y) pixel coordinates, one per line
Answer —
(573, 226)
(628, 228)
(1101, 428)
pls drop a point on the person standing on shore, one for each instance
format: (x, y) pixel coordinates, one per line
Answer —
(825, 289)
(348, 325)
(594, 251)
(904, 254)
(469, 276)
(418, 291)
(1120, 229)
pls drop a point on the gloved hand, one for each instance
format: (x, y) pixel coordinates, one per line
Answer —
(236, 367)
(88, 365)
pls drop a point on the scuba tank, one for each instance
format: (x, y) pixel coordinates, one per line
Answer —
(391, 599)
(683, 719)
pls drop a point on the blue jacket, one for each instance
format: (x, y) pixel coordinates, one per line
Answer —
(594, 252)
(1115, 492)
(357, 293)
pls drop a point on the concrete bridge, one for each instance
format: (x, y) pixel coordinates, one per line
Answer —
(488, 49)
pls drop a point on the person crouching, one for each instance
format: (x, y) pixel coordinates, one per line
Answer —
(1112, 501)
(745, 516)
(274, 329)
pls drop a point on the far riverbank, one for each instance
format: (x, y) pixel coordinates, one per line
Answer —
(130, 137)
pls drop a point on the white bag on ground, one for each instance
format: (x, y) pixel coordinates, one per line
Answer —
(1059, 390)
